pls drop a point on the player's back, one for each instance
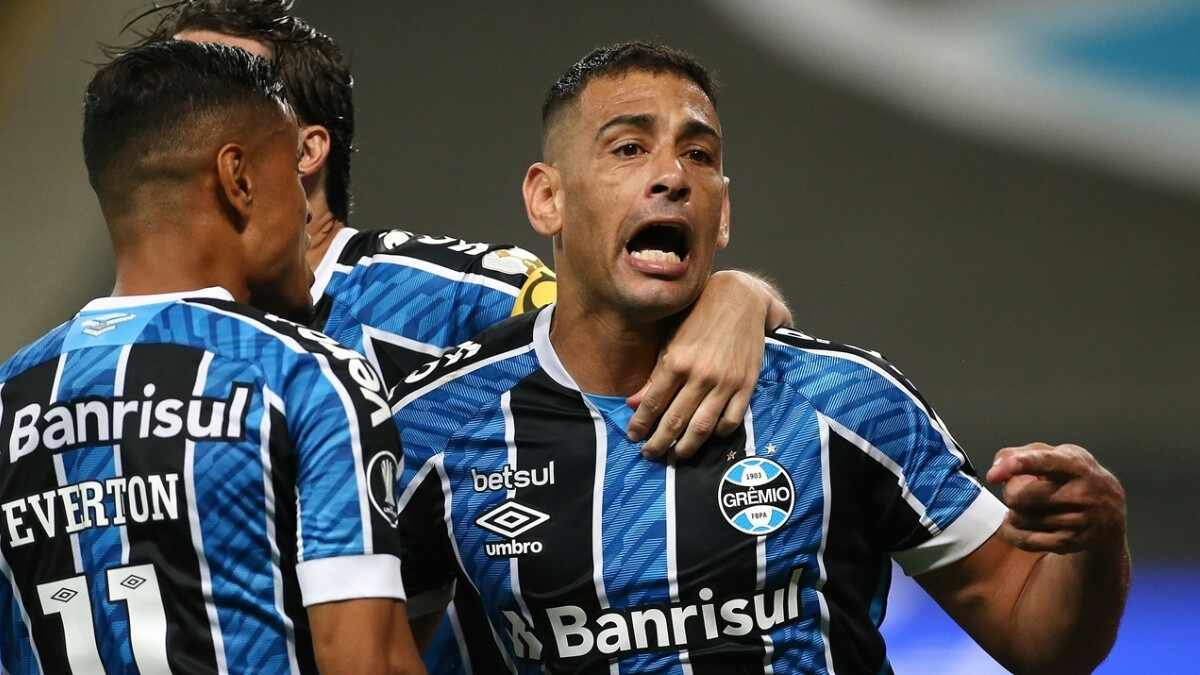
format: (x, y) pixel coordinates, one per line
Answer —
(160, 512)
(402, 298)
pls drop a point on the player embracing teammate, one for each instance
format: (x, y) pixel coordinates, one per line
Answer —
(192, 486)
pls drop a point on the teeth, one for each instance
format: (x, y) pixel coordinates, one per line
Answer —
(654, 255)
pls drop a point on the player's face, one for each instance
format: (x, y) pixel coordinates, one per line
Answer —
(275, 239)
(256, 47)
(646, 202)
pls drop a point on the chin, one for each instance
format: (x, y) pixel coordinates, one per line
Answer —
(660, 300)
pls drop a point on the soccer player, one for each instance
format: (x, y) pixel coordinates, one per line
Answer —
(402, 298)
(191, 485)
(768, 552)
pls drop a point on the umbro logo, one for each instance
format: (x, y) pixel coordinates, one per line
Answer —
(511, 519)
(105, 324)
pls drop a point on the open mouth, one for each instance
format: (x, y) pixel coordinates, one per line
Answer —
(659, 243)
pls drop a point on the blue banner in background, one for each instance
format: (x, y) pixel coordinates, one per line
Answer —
(1158, 634)
(1112, 82)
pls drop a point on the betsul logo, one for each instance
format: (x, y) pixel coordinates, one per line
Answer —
(756, 496)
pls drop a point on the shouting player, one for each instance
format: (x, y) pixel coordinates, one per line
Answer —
(184, 484)
(767, 553)
(400, 298)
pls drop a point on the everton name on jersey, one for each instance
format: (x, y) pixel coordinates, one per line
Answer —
(768, 553)
(401, 298)
(180, 476)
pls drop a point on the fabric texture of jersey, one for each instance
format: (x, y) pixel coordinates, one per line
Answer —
(180, 477)
(768, 553)
(402, 299)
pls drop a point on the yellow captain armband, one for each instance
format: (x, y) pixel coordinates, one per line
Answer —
(540, 289)
(541, 284)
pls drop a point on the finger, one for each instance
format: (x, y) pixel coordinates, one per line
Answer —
(1072, 521)
(675, 420)
(1031, 494)
(735, 412)
(705, 422)
(658, 392)
(635, 401)
(1060, 463)
(1061, 541)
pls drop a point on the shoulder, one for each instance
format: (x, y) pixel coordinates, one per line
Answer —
(502, 266)
(320, 364)
(839, 379)
(481, 368)
(45, 348)
(789, 349)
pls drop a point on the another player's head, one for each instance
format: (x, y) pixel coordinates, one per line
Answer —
(311, 65)
(631, 184)
(192, 151)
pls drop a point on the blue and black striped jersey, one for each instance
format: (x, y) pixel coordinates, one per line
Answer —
(402, 299)
(768, 553)
(180, 477)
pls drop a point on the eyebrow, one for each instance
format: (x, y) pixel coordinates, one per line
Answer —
(642, 121)
(698, 128)
(646, 121)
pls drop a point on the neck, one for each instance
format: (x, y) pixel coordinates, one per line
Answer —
(174, 259)
(322, 228)
(605, 351)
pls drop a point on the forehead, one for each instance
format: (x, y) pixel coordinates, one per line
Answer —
(256, 47)
(641, 92)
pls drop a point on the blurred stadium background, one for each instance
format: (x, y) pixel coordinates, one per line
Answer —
(1000, 197)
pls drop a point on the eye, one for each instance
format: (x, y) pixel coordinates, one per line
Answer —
(699, 156)
(628, 150)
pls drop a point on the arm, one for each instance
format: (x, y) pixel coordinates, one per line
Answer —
(363, 636)
(707, 373)
(1045, 594)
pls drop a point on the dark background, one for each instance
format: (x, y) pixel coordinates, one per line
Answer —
(1031, 298)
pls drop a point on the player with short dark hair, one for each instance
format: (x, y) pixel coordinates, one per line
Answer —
(191, 485)
(769, 552)
(402, 297)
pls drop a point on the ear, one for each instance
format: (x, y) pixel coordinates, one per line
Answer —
(543, 199)
(315, 143)
(726, 215)
(236, 188)
(314, 153)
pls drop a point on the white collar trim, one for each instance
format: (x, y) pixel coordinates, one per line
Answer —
(122, 301)
(324, 271)
(547, 357)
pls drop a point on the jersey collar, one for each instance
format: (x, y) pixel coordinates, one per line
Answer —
(324, 271)
(123, 301)
(547, 357)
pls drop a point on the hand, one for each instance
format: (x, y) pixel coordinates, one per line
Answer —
(1060, 499)
(708, 371)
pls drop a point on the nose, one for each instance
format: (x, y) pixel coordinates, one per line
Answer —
(671, 182)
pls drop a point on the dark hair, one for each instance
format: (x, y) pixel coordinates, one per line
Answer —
(145, 105)
(621, 58)
(311, 65)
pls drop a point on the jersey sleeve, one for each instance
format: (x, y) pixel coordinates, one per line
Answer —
(535, 283)
(918, 494)
(347, 460)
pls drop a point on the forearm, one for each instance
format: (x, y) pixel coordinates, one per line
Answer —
(1066, 615)
(778, 314)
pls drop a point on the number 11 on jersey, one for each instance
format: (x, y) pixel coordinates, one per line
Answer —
(137, 586)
